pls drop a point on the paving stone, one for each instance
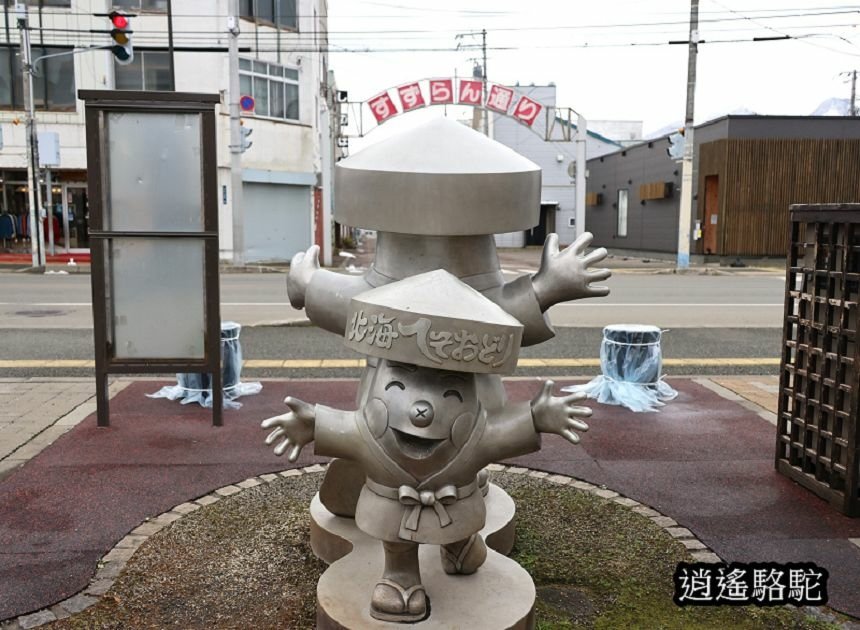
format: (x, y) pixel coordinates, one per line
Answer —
(268, 477)
(856, 541)
(209, 499)
(186, 508)
(167, 518)
(538, 474)
(693, 544)
(226, 491)
(516, 470)
(36, 619)
(119, 554)
(293, 472)
(664, 521)
(583, 485)
(131, 542)
(99, 586)
(706, 556)
(110, 570)
(606, 494)
(147, 529)
(626, 502)
(679, 532)
(646, 511)
(559, 479)
(315, 468)
(60, 612)
(78, 603)
(249, 483)
(495, 468)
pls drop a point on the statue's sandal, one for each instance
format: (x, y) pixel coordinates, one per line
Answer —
(471, 556)
(406, 605)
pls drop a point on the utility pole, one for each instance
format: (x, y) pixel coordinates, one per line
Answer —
(581, 146)
(480, 113)
(170, 44)
(235, 137)
(853, 103)
(484, 82)
(686, 210)
(34, 194)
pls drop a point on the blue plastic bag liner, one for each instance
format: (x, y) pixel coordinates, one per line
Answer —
(631, 361)
(197, 388)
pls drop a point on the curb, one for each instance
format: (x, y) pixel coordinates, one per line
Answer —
(112, 564)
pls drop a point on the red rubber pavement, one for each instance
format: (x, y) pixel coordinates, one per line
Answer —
(703, 460)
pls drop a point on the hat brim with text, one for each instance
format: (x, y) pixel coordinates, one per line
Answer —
(434, 320)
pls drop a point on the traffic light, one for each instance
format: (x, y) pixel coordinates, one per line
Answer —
(246, 134)
(121, 34)
(676, 145)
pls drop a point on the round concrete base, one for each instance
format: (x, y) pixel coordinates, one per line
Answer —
(500, 594)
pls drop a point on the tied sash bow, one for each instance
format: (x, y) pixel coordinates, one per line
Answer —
(418, 500)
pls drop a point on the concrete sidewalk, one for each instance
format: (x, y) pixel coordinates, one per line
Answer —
(71, 491)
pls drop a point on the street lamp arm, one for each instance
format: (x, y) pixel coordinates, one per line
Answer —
(33, 70)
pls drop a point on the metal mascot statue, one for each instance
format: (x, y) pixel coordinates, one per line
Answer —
(439, 325)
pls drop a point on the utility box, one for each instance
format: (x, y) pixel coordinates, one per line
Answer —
(817, 432)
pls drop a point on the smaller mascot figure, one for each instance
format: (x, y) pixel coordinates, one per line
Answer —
(421, 435)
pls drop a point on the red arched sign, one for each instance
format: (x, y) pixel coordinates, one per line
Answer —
(452, 91)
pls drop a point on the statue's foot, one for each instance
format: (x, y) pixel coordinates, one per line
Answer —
(392, 602)
(465, 556)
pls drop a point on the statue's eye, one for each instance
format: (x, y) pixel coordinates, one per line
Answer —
(453, 392)
(395, 384)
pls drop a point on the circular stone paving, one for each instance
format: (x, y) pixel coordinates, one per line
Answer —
(240, 558)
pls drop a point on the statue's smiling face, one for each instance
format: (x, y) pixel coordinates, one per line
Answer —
(422, 415)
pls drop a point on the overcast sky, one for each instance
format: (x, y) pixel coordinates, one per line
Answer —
(609, 59)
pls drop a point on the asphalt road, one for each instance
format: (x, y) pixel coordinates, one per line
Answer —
(666, 300)
(693, 351)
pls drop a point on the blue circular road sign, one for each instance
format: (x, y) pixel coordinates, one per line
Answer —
(246, 103)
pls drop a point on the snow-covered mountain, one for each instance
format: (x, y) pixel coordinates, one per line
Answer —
(830, 107)
(833, 107)
(665, 130)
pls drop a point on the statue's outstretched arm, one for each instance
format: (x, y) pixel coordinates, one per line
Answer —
(323, 294)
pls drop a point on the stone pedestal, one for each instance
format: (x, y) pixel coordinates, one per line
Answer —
(500, 594)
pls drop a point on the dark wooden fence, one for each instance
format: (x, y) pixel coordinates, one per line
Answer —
(760, 179)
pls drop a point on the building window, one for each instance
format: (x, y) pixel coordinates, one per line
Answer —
(148, 71)
(622, 212)
(64, 4)
(53, 88)
(159, 6)
(275, 88)
(274, 12)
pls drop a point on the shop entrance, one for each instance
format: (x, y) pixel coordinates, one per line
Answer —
(74, 217)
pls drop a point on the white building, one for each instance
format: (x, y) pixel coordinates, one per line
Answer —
(558, 190)
(280, 66)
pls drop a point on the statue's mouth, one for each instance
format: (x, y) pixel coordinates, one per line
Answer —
(415, 447)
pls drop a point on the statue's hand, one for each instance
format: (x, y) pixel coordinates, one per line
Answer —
(565, 275)
(557, 415)
(302, 267)
(296, 427)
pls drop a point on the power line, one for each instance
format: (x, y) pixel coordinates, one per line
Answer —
(450, 32)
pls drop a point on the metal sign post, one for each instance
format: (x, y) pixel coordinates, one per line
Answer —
(153, 195)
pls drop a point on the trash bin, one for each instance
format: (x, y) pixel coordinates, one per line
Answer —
(631, 362)
(197, 388)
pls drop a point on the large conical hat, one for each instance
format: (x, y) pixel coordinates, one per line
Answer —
(441, 178)
(435, 320)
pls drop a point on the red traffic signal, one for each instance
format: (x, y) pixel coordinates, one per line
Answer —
(121, 35)
(118, 20)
